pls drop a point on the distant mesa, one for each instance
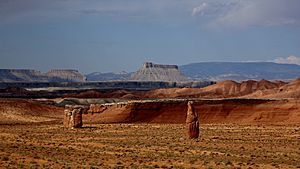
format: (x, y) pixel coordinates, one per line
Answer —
(66, 75)
(27, 75)
(156, 72)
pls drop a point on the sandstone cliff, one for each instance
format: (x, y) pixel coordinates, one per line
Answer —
(155, 72)
(239, 111)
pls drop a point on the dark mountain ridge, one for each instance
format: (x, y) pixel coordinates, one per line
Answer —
(219, 71)
(203, 71)
(109, 76)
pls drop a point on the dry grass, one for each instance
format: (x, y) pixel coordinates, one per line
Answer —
(149, 146)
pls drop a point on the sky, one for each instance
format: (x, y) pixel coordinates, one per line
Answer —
(119, 35)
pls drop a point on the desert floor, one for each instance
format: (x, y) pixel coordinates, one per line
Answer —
(149, 146)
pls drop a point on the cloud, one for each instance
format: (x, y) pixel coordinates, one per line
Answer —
(212, 13)
(199, 10)
(248, 13)
(212, 8)
(288, 60)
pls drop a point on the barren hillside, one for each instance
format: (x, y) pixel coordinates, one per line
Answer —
(24, 111)
(290, 90)
(225, 89)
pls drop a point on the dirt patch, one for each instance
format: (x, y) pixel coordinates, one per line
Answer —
(149, 146)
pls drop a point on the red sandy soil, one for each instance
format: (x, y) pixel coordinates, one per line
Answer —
(27, 111)
(149, 146)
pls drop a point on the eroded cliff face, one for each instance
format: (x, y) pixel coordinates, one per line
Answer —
(240, 111)
(27, 75)
(156, 72)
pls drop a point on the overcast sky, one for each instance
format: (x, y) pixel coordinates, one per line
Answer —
(116, 35)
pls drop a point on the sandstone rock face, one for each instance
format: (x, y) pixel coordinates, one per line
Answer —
(73, 116)
(238, 111)
(96, 108)
(192, 122)
(27, 75)
(155, 72)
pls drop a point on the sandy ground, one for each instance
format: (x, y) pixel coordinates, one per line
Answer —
(32, 136)
(149, 146)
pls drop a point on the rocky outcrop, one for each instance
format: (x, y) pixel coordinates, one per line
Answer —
(27, 75)
(73, 116)
(156, 72)
(192, 122)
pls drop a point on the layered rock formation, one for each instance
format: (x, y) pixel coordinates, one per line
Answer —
(156, 72)
(27, 75)
(239, 111)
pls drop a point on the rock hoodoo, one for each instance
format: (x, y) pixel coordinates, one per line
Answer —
(192, 122)
(73, 116)
(156, 72)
